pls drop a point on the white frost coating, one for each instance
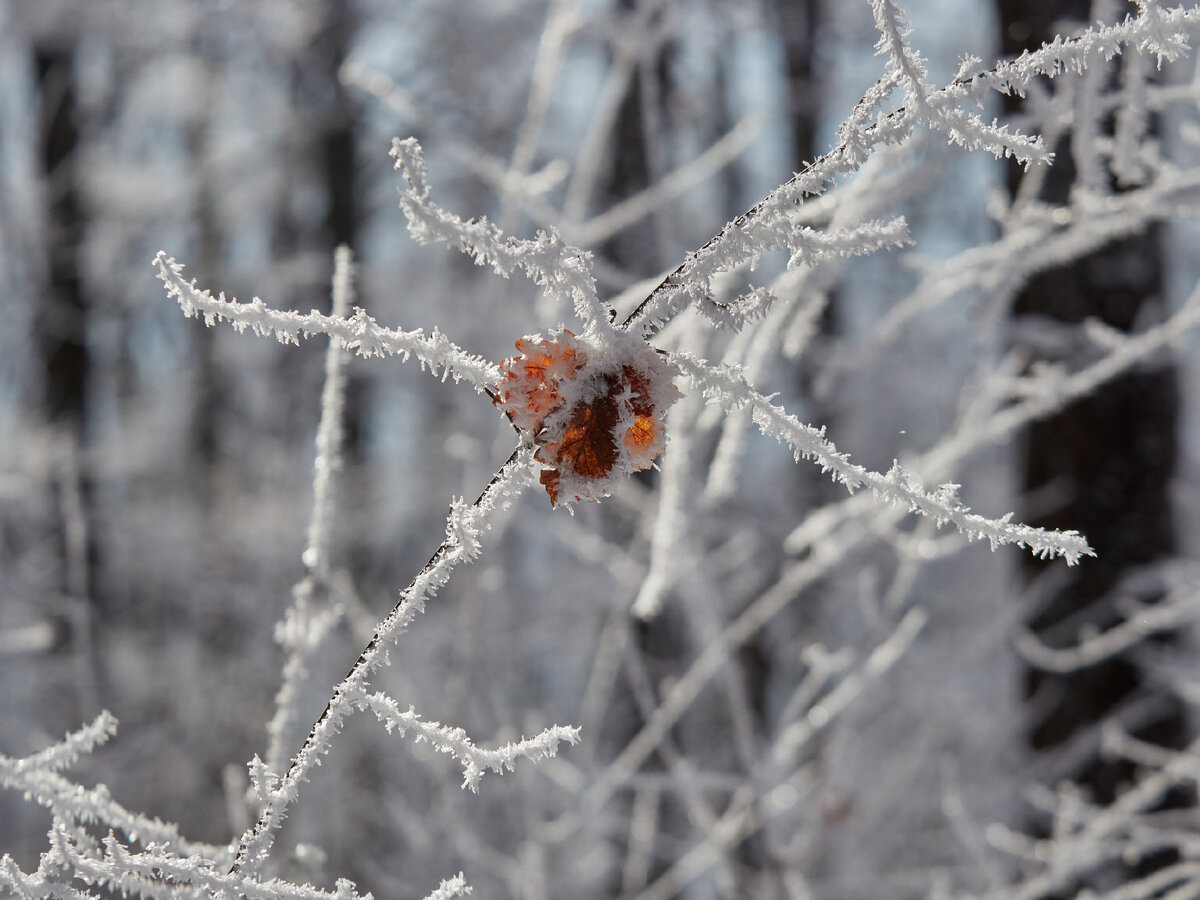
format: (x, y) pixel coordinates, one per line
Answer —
(907, 67)
(726, 387)
(450, 888)
(741, 244)
(70, 803)
(1154, 31)
(1164, 34)
(69, 749)
(559, 269)
(314, 611)
(736, 314)
(465, 524)
(1041, 396)
(359, 332)
(160, 875)
(36, 884)
(1175, 610)
(456, 742)
(329, 431)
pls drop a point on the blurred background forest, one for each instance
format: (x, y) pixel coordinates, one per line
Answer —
(155, 475)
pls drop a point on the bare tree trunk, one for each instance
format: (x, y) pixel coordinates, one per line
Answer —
(62, 316)
(207, 380)
(343, 220)
(62, 347)
(656, 646)
(633, 154)
(1109, 457)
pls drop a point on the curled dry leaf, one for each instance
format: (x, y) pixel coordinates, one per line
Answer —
(595, 414)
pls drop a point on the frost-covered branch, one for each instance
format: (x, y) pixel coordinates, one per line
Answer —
(37, 884)
(36, 777)
(559, 269)
(308, 621)
(465, 525)
(329, 431)
(1042, 396)
(156, 874)
(360, 332)
(1152, 31)
(454, 741)
(898, 486)
(906, 66)
(64, 754)
(1179, 607)
(1100, 835)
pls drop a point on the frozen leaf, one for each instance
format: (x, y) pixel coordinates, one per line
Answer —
(593, 413)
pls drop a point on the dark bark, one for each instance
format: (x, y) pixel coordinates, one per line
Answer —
(60, 326)
(798, 22)
(330, 116)
(343, 219)
(62, 316)
(208, 389)
(1110, 455)
(632, 164)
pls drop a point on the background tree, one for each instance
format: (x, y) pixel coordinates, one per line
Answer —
(781, 690)
(1107, 462)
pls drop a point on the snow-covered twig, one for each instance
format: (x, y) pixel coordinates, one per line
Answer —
(359, 332)
(1180, 606)
(37, 884)
(64, 754)
(1152, 31)
(898, 486)
(1045, 396)
(307, 621)
(329, 431)
(36, 776)
(553, 265)
(465, 525)
(454, 741)
(156, 874)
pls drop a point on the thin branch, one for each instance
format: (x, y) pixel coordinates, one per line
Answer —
(475, 760)
(359, 332)
(307, 622)
(465, 524)
(1165, 34)
(898, 486)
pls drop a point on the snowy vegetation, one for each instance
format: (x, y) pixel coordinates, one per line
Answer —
(754, 663)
